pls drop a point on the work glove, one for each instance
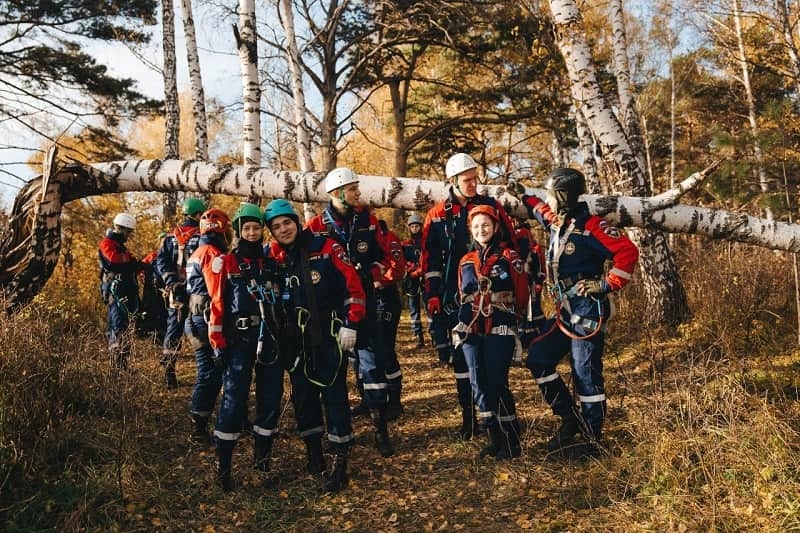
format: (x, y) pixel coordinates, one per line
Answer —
(434, 306)
(347, 339)
(515, 189)
(220, 359)
(592, 287)
(459, 335)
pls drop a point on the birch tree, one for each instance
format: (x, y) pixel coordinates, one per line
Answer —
(663, 289)
(196, 82)
(171, 108)
(247, 44)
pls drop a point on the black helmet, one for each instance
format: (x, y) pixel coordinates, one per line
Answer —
(566, 185)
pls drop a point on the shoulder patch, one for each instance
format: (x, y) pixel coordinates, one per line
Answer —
(216, 264)
(608, 229)
(338, 251)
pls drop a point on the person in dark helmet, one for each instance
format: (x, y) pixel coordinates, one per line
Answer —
(412, 282)
(494, 295)
(445, 240)
(321, 293)
(205, 283)
(250, 341)
(580, 246)
(170, 263)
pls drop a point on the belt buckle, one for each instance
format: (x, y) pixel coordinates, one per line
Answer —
(243, 323)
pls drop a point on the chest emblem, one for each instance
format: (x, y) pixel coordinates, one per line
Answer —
(569, 248)
(315, 277)
(362, 247)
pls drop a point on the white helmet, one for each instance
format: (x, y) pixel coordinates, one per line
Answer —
(459, 163)
(124, 220)
(414, 219)
(338, 178)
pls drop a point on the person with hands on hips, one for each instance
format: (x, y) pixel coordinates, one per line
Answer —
(322, 295)
(494, 294)
(445, 240)
(580, 246)
(205, 281)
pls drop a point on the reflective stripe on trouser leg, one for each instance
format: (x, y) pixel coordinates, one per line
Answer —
(269, 393)
(209, 378)
(373, 374)
(440, 331)
(337, 407)
(543, 356)
(587, 369)
(414, 305)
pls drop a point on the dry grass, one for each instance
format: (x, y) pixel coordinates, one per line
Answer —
(702, 435)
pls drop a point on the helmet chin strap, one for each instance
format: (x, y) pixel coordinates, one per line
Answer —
(347, 207)
(460, 192)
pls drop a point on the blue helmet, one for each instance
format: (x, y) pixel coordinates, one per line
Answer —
(280, 207)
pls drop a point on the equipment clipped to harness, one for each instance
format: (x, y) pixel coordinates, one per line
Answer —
(561, 297)
(263, 296)
(310, 352)
(120, 302)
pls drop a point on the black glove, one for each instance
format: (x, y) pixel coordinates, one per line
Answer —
(220, 359)
(515, 189)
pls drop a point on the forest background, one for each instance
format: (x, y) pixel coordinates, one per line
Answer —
(704, 418)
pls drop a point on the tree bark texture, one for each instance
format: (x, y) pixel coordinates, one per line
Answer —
(246, 42)
(172, 120)
(196, 81)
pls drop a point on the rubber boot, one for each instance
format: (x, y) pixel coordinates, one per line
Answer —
(382, 442)
(469, 424)
(420, 340)
(171, 377)
(262, 453)
(570, 428)
(224, 460)
(315, 459)
(496, 442)
(337, 479)
(510, 447)
(199, 433)
(394, 408)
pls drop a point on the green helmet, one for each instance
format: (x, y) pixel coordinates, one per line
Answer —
(278, 208)
(247, 212)
(193, 206)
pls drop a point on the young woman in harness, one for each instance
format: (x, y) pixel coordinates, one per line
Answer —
(494, 293)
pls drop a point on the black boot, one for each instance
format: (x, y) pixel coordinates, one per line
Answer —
(337, 479)
(262, 453)
(469, 424)
(359, 410)
(420, 340)
(394, 408)
(570, 428)
(382, 442)
(224, 458)
(496, 442)
(199, 433)
(315, 459)
(510, 444)
(171, 377)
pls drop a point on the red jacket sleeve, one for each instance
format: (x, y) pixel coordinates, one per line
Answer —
(213, 265)
(356, 303)
(397, 262)
(519, 279)
(625, 253)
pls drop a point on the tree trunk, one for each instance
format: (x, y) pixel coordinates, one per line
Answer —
(664, 291)
(247, 44)
(304, 157)
(172, 119)
(196, 80)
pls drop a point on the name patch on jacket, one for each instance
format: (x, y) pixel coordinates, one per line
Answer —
(609, 230)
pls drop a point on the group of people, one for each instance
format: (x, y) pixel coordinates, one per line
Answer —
(315, 296)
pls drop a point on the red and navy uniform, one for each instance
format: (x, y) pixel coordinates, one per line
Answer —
(247, 292)
(205, 284)
(369, 251)
(579, 247)
(170, 263)
(445, 240)
(153, 309)
(494, 295)
(120, 292)
(532, 255)
(412, 282)
(320, 290)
